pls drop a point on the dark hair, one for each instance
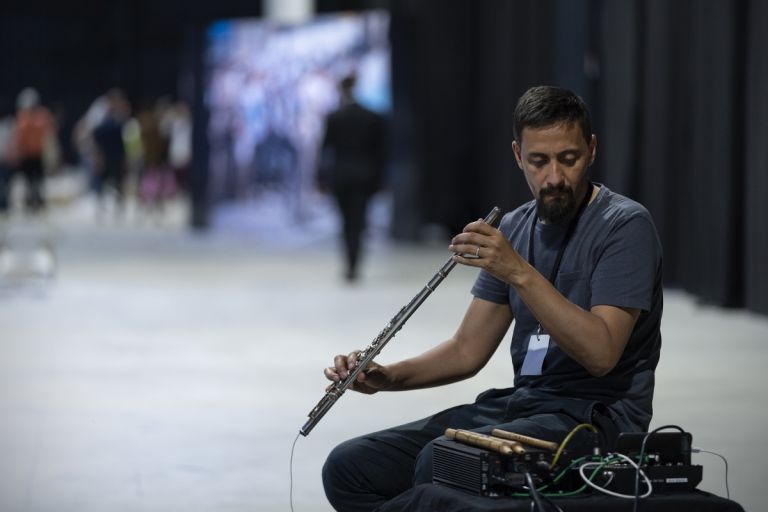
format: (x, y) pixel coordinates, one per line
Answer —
(545, 105)
(348, 83)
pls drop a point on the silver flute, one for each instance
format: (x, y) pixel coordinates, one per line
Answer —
(366, 355)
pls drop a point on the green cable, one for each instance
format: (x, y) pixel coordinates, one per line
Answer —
(559, 476)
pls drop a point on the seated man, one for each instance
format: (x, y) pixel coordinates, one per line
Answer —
(578, 269)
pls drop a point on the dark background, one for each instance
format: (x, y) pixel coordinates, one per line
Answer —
(678, 92)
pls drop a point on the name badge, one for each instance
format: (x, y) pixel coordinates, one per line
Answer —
(538, 344)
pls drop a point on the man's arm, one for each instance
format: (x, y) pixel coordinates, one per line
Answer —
(463, 355)
(594, 338)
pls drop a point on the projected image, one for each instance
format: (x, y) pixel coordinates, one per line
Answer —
(270, 89)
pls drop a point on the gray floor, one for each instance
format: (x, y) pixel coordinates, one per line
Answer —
(164, 371)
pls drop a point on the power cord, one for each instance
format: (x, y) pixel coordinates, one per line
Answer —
(699, 450)
(567, 439)
(640, 459)
(536, 497)
(290, 468)
(599, 465)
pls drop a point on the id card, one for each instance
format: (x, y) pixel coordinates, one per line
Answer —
(538, 344)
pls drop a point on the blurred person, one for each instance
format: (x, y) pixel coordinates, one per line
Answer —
(157, 182)
(134, 154)
(352, 167)
(180, 142)
(34, 131)
(579, 271)
(82, 135)
(109, 147)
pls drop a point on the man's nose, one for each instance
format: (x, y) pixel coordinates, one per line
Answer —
(555, 174)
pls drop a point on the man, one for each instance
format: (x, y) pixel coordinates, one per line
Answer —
(35, 129)
(352, 167)
(579, 271)
(110, 147)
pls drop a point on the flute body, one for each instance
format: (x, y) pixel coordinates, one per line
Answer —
(386, 334)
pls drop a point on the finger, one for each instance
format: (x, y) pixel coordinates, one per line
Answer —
(479, 227)
(352, 359)
(467, 250)
(473, 225)
(464, 239)
(331, 374)
(470, 261)
(341, 364)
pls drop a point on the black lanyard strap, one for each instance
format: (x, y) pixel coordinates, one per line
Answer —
(566, 238)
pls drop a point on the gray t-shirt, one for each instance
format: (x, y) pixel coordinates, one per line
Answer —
(613, 258)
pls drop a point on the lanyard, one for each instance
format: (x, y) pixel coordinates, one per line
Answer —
(566, 238)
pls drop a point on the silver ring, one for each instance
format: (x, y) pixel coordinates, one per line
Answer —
(477, 252)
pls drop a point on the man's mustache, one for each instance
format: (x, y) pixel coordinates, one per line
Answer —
(557, 189)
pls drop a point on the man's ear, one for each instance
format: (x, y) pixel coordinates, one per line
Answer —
(518, 154)
(592, 149)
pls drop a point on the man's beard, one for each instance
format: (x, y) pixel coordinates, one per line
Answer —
(558, 209)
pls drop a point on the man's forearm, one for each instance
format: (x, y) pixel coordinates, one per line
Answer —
(585, 336)
(438, 366)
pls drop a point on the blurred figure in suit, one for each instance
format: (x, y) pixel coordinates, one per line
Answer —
(352, 166)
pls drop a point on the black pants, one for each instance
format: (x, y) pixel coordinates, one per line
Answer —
(113, 173)
(363, 473)
(353, 203)
(33, 172)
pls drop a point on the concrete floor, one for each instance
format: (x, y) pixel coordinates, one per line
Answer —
(165, 371)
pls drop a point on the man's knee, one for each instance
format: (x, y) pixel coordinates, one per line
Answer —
(338, 467)
(362, 473)
(423, 469)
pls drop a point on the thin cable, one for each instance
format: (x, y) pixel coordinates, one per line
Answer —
(640, 459)
(567, 440)
(588, 481)
(727, 490)
(290, 469)
(533, 492)
(549, 500)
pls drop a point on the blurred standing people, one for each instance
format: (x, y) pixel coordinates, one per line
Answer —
(82, 136)
(110, 147)
(34, 131)
(180, 143)
(352, 166)
(157, 181)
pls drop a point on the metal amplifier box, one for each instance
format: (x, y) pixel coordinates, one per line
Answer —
(483, 472)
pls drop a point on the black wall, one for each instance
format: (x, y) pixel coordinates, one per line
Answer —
(678, 94)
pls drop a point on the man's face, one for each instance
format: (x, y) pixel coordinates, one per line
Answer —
(554, 160)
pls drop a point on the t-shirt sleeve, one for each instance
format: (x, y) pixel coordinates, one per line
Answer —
(626, 271)
(489, 288)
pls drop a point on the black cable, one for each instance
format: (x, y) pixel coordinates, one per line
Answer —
(640, 460)
(535, 496)
(551, 502)
(290, 469)
(538, 499)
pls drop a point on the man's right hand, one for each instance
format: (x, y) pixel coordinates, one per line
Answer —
(369, 381)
